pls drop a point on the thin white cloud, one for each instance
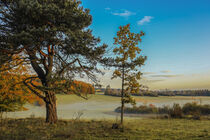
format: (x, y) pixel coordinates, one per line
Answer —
(155, 81)
(144, 20)
(166, 76)
(148, 73)
(147, 80)
(165, 71)
(125, 13)
(107, 8)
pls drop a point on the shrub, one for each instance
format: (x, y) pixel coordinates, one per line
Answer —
(13, 93)
(194, 110)
(164, 110)
(8, 104)
(142, 109)
(191, 108)
(145, 109)
(176, 111)
(205, 109)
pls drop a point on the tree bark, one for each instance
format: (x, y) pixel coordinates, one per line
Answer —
(122, 109)
(122, 97)
(51, 110)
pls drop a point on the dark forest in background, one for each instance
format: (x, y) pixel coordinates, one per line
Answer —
(154, 93)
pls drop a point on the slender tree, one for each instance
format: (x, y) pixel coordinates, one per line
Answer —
(127, 61)
(54, 38)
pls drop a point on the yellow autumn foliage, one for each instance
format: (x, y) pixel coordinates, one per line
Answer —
(12, 89)
(82, 87)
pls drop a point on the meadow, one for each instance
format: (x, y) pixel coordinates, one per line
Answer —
(145, 129)
(100, 106)
(93, 118)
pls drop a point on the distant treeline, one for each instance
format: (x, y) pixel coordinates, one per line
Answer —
(184, 93)
(116, 92)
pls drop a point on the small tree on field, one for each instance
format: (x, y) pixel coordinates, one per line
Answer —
(108, 90)
(127, 60)
(54, 37)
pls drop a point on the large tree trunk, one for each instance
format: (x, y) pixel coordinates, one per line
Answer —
(51, 110)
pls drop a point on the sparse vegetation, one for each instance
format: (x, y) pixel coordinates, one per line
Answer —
(193, 110)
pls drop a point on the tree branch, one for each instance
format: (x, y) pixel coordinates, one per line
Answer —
(34, 91)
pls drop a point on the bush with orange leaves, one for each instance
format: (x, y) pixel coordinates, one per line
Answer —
(79, 87)
(13, 93)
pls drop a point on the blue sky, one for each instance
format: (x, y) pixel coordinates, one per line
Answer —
(177, 40)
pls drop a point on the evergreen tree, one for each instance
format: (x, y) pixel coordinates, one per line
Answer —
(54, 38)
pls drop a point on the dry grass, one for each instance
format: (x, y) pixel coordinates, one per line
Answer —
(150, 129)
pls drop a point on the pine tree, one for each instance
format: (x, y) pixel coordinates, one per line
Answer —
(54, 37)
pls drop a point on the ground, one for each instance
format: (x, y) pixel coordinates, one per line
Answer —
(145, 129)
(96, 123)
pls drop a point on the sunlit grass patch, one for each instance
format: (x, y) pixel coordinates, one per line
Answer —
(33, 129)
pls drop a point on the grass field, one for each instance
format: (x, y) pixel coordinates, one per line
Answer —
(66, 99)
(99, 106)
(144, 129)
(96, 124)
(161, 100)
(62, 98)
